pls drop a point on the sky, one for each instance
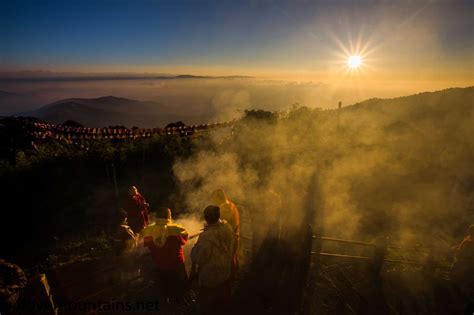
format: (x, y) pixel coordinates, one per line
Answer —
(422, 39)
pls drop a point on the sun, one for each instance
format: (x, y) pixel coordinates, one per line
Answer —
(354, 61)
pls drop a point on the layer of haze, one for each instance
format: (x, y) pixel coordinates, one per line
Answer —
(217, 99)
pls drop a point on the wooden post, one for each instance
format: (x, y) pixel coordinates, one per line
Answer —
(379, 255)
(313, 216)
(309, 274)
(316, 218)
(377, 302)
(308, 244)
(430, 264)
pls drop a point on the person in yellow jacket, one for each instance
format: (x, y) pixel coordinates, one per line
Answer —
(229, 213)
(165, 241)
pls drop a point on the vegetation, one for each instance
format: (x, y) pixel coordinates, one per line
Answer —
(401, 169)
(58, 190)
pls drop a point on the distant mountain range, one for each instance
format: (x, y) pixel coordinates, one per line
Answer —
(426, 107)
(446, 114)
(54, 76)
(438, 100)
(108, 110)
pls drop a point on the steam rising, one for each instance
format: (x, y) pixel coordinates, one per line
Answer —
(400, 168)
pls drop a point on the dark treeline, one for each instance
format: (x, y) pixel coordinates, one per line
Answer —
(61, 192)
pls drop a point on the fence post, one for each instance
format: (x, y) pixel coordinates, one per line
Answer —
(378, 304)
(430, 264)
(311, 274)
(317, 247)
(308, 244)
(379, 255)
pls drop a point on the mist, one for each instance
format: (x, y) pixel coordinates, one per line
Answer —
(399, 168)
(209, 99)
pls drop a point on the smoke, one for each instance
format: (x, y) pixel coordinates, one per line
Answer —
(193, 223)
(398, 168)
(228, 103)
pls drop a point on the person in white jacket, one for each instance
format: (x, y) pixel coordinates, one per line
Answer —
(212, 262)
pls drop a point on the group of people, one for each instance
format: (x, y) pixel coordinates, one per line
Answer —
(214, 256)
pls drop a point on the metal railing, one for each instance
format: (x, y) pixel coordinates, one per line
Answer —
(380, 253)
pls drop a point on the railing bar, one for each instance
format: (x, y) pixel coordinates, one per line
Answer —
(408, 249)
(341, 256)
(367, 244)
(342, 241)
(408, 262)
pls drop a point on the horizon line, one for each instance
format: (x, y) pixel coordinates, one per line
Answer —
(41, 75)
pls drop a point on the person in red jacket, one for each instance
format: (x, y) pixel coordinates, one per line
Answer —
(137, 209)
(165, 240)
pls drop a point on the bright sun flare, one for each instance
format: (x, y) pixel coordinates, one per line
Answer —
(354, 62)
